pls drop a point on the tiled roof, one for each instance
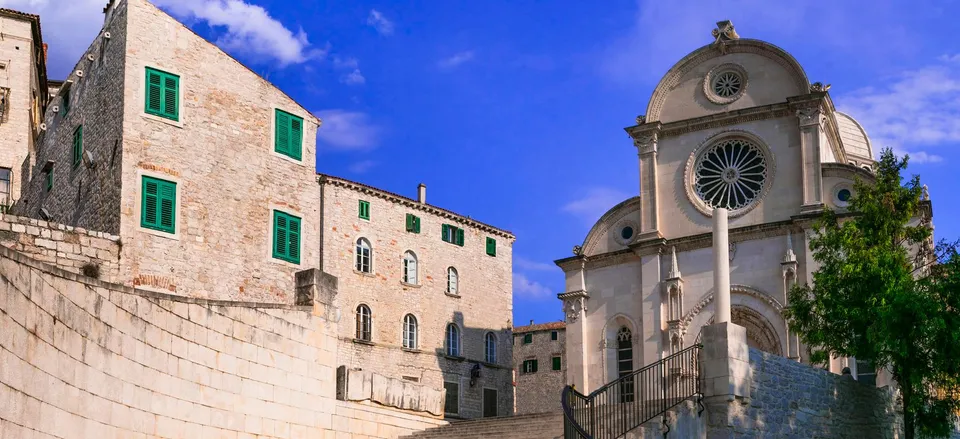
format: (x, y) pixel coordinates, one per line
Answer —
(539, 327)
(414, 203)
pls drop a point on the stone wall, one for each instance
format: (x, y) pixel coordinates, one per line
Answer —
(86, 195)
(18, 81)
(67, 247)
(539, 392)
(482, 305)
(84, 358)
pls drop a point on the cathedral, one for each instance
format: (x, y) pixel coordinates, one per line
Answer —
(738, 125)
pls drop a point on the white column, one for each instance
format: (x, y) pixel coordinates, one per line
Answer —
(721, 267)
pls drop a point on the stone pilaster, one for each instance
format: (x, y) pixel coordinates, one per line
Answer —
(651, 309)
(646, 142)
(811, 114)
(578, 366)
(727, 377)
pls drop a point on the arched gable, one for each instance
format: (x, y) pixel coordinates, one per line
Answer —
(598, 239)
(796, 79)
(763, 312)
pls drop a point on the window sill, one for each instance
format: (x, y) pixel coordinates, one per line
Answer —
(410, 285)
(176, 123)
(455, 296)
(455, 358)
(361, 273)
(411, 350)
(361, 341)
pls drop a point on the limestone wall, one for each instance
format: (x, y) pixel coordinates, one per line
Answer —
(67, 247)
(85, 358)
(18, 80)
(539, 392)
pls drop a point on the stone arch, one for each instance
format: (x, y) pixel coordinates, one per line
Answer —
(744, 45)
(608, 344)
(751, 308)
(608, 220)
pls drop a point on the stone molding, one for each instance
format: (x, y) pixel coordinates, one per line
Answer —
(574, 304)
(615, 214)
(735, 288)
(412, 204)
(723, 68)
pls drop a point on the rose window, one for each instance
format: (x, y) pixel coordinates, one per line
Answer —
(730, 174)
(727, 84)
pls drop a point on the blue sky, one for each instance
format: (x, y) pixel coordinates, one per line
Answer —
(513, 112)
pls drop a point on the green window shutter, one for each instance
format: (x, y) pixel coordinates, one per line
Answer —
(158, 206)
(286, 237)
(77, 146)
(556, 363)
(50, 180)
(163, 94)
(364, 210)
(534, 365)
(527, 338)
(410, 222)
(444, 233)
(288, 136)
(491, 246)
(459, 237)
(66, 101)
(416, 224)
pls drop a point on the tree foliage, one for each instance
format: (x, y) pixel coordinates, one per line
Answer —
(884, 293)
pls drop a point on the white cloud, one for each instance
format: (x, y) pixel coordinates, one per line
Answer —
(949, 58)
(362, 166)
(455, 60)
(528, 265)
(379, 22)
(911, 112)
(353, 78)
(345, 63)
(247, 27)
(594, 203)
(347, 130)
(529, 289)
(68, 28)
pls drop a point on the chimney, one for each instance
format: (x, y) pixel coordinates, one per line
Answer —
(422, 193)
(531, 322)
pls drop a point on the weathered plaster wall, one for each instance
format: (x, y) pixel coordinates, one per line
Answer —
(18, 76)
(66, 247)
(483, 303)
(85, 358)
(539, 392)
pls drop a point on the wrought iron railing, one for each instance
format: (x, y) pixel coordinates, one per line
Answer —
(633, 399)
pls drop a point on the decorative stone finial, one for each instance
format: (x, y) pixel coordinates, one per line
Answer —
(577, 250)
(723, 34)
(789, 256)
(674, 267)
(926, 193)
(819, 87)
(641, 119)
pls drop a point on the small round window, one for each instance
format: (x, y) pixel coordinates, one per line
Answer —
(843, 195)
(626, 233)
(727, 84)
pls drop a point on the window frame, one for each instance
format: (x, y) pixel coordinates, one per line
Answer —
(163, 113)
(358, 260)
(490, 348)
(158, 227)
(5, 196)
(451, 340)
(294, 152)
(410, 332)
(456, 400)
(412, 223)
(290, 219)
(77, 146)
(453, 281)
(529, 366)
(452, 234)
(405, 276)
(364, 321)
(491, 247)
(363, 210)
(554, 335)
(528, 338)
(556, 363)
(48, 182)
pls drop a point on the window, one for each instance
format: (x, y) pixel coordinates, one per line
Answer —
(410, 331)
(625, 363)
(158, 205)
(413, 223)
(556, 363)
(489, 403)
(451, 234)
(452, 341)
(364, 254)
(163, 94)
(452, 404)
(409, 268)
(66, 101)
(730, 174)
(5, 174)
(490, 348)
(364, 210)
(866, 373)
(453, 281)
(529, 366)
(286, 237)
(49, 182)
(364, 323)
(77, 146)
(527, 338)
(554, 335)
(491, 247)
(288, 138)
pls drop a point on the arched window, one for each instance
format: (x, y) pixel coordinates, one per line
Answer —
(364, 323)
(409, 268)
(409, 331)
(625, 362)
(453, 281)
(364, 255)
(452, 341)
(490, 348)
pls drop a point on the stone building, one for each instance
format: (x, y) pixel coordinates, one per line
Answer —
(425, 294)
(204, 169)
(540, 368)
(23, 96)
(735, 124)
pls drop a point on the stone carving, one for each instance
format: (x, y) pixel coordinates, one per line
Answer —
(926, 193)
(739, 289)
(723, 34)
(577, 250)
(733, 250)
(574, 307)
(646, 143)
(809, 116)
(359, 385)
(819, 87)
(641, 119)
(789, 256)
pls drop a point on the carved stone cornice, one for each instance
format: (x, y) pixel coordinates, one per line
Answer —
(574, 304)
(705, 240)
(610, 259)
(645, 137)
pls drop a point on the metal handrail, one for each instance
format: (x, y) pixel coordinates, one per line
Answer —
(633, 399)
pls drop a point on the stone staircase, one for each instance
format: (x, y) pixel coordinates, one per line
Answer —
(536, 426)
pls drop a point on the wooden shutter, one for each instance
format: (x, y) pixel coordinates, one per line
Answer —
(159, 205)
(293, 236)
(459, 236)
(286, 237)
(534, 365)
(154, 92)
(279, 235)
(288, 136)
(416, 224)
(410, 222)
(556, 363)
(444, 230)
(168, 206)
(77, 146)
(296, 137)
(491, 246)
(171, 86)
(283, 133)
(151, 199)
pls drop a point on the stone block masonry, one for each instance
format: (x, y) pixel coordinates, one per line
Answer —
(71, 248)
(539, 392)
(82, 358)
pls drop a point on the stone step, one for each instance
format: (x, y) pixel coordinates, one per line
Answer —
(536, 426)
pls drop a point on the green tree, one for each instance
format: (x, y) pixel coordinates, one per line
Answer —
(884, 293)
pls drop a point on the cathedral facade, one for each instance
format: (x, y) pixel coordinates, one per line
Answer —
(735, 124)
